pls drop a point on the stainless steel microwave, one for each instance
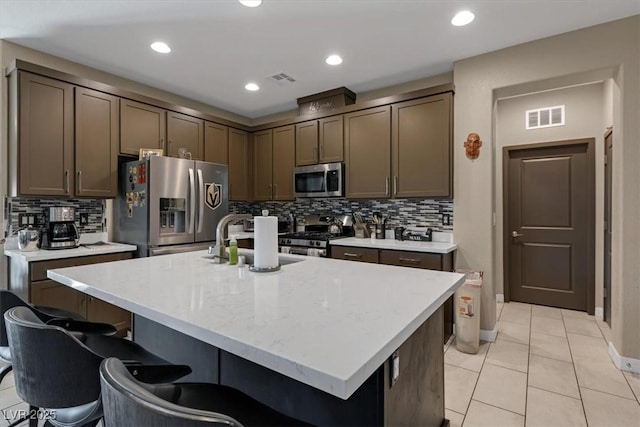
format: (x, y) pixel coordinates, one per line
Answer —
(324, 180)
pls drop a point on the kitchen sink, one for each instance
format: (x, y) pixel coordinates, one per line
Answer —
(282, 259)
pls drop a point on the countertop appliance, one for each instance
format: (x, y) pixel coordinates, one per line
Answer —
(170, 205)
(314, 240)
(324, 180)
(61, 231)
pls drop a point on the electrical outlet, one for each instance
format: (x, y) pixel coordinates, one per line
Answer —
(395, 367)
(84, 218)
(446, 219)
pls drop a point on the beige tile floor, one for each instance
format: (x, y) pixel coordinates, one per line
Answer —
(548, 367)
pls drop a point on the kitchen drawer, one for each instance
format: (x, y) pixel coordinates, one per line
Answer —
(411, 259)
(354, 254)
(39, 269)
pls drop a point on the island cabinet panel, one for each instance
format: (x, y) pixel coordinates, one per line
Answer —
(331, 139)
(96, 147)
(141, 126)
(41, 145)
(240, 169)
(421, 147)
(185, 132)
(263, 184)
(284, 161)
(307, 143)
(216, 140)
(355, 254)
(367, 143)
(43, 291)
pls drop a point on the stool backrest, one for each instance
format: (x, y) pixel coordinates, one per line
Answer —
(127, 401)
(7, 300)
(52, 369)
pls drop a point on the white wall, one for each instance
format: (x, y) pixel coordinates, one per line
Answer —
(613, 49)
(583, 119)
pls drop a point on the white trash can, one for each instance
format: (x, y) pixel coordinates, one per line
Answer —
(467, 309)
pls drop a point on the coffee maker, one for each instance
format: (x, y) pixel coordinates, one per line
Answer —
(61, 231)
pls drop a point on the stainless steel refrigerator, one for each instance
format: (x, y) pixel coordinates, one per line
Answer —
(169, 205)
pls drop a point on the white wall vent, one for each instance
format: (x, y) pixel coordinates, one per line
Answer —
(281, 79)
(544, 117)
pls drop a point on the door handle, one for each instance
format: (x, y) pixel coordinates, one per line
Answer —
(192, 201)
(395, 185)
(79, 182)
(315, 149)
(352, 255)
(386, 186)
(516, 234)
(202, 194)
(66, 178)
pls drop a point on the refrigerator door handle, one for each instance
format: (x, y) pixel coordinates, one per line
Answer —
(201, 195)
(192, 200)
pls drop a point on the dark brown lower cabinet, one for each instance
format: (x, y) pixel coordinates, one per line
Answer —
(44, 291)
(429, 261)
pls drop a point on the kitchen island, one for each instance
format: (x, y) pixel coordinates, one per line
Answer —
(317, 339)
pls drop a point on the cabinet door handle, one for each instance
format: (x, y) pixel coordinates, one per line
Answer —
(410, 260)
(322, 150)
(66, 178)
(79, 181)
(315, 153)
(386, 186)
(352, 255)
(395, 185)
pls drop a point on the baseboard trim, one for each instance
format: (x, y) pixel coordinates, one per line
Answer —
(485, 335)
(499, 297)
(489, 335)
(623, 363)
(599, 313)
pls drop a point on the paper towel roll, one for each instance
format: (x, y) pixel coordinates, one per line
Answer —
(266, 241)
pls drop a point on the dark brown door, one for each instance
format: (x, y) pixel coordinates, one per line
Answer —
(608, 168)
(185, 132)
(331, 143)
(307, 143)
(284, 160)
(97, 141)
(216, 148)
(45, 147)
(421, 147)
(549, 224)
(367, 153)
(263, 186)
(239, 169)
(141, 126)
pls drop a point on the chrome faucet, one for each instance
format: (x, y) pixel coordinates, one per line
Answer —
(219, 250)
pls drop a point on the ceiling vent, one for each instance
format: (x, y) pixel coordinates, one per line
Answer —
(281, 79)
(544, 117)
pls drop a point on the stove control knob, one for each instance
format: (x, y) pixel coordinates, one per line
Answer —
(288, 241)
(318, 243)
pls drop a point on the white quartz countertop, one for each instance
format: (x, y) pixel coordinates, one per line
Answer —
(398, 245)
(327, 323)
(44, 254)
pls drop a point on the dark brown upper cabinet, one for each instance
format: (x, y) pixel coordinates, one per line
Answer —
(240, 166)
(367, 143)
(41, 139)
(263, 184)
(97, 141)
(421, 147)
(141, 126)
(284, 148)
(185, 132)
(216, 139)
(274, 163)
(320, 141)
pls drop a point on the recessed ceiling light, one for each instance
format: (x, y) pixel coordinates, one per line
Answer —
(462, 18)
(333, 60)
(251, 3)
(161, 47)
(252, 87)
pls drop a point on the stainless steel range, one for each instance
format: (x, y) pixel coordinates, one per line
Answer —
(319, 230)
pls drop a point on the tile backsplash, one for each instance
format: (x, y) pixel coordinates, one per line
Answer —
(93, 208)
(437, 214)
